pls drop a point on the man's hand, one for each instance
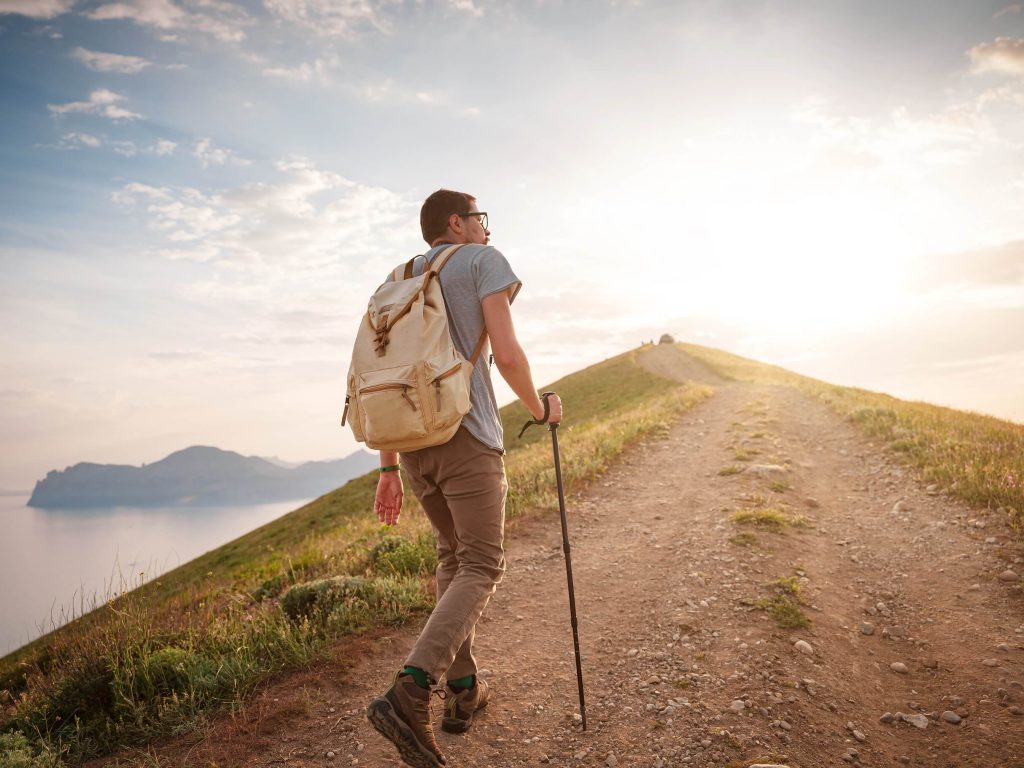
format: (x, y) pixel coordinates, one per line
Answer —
(554, 409)
(388, 502)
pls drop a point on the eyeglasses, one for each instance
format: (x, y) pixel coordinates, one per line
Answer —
(481, 214)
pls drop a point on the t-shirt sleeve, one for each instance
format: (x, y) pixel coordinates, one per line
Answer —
(493, 274)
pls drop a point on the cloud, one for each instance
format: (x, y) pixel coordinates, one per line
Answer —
(75, 140)
(997, 266)
(466, 6)
(318, 71)
(221, 20)
(301, 234)
(334, 18)
(209, 155)
(101, 102)
(110, 62)
(1005, 54)
(289, 261)
(36, 9)
(1010, 9)
(951, 136)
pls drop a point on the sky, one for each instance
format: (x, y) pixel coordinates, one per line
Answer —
(198, 196)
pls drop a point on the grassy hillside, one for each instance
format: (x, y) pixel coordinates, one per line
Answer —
(200, 638)
(977, 458)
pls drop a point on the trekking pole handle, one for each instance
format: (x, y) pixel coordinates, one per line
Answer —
(543, 419)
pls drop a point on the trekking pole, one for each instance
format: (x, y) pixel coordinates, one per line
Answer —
(565, 549)
(568, 570)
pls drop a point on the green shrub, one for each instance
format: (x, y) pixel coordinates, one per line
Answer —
(16, 752)
(400, 556)
(349, 602)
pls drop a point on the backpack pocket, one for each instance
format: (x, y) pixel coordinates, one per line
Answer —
(448, 381)
(351, 414)
(390, 405)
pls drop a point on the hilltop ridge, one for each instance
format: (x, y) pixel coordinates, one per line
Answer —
(768, 568)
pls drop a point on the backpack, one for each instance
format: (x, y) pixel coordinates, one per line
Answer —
(408, 386)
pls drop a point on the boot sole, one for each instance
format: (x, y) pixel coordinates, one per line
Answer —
(385, 720)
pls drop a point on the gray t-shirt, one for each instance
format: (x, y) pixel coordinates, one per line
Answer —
(473, 273)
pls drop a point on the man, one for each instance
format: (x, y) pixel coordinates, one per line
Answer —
(460, 484)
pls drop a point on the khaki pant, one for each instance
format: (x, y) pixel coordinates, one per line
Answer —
(461, 485)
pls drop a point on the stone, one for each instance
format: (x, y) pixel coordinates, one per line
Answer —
(611, 761)
(951, 717)
(859, 735)
(899, 667)
(803, 646)
(784, 725)
(887, 717)
(738, 706)
(918, 721)
(867, 628)
(330, 755)
(767, 470)
(1015, 710)
(1008, 575)
(653, 680)
(990, 662)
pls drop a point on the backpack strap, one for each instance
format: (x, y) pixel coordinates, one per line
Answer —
(440, 260)
(436, 266)
(403, 271)
(479, 347)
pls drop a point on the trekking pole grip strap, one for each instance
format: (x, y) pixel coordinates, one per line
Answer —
(543, 419)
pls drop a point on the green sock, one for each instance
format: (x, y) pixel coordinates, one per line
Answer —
(463, 683)
(421, 677)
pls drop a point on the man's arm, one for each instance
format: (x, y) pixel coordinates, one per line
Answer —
(510, 358)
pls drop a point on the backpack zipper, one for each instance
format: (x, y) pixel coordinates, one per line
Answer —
(437, 381)
(391, 385)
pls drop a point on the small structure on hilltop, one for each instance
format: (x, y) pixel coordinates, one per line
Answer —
(666, 338)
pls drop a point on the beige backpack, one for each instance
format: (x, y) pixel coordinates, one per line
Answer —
(408, 386)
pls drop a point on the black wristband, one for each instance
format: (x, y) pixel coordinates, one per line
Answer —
(543, 419)
(391, 468)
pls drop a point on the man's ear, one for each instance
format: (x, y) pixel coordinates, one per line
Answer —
(455, 223)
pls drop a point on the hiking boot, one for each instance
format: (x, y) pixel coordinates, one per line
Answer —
(402, 715)
(460, 706)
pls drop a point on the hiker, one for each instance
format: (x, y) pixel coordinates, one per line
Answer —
(460, 484)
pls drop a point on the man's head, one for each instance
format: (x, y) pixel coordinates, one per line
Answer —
(448, 216)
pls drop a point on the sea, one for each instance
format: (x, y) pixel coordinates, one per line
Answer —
(57, 564)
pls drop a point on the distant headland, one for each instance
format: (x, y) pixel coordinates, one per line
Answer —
(196, 476)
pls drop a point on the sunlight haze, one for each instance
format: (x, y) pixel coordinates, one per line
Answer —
(197, 199)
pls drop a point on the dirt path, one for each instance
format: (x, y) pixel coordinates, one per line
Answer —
(680, 668)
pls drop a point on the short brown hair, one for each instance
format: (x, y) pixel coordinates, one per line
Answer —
(438, 208)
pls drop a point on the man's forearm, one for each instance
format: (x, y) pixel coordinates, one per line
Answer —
(388, 458)
(515, 369)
